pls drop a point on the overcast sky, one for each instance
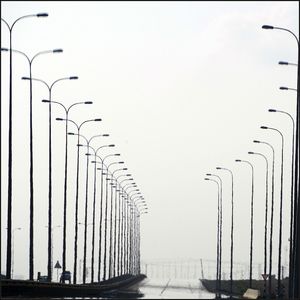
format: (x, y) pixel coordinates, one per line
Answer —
(181, 87)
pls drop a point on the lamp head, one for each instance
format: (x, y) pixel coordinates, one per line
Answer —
(25, 78)
(218, 168)
(4, 49)
(98, 120)
(46, 101)
(42, 15)
(283, 88)
(256, 141)
(272, 110)
(88, 102)
(117, 154)
(267, 27)
(71, 133)
(264, 127)
(111, 145)
(73, 77)
(250, 152)
(59, 119)
(283, 63)
(238, 160)
(105, 134)
(57, 50)
(206, 179)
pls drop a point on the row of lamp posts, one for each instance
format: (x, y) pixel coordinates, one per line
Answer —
(294, 239)
(123, 254)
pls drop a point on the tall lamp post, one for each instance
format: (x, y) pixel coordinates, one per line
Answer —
(88, 141)
(115, 225)
(251, 217)
(30, 62)
(292, 187)
(77, 194)
(49, 87)
(279, 288)
(231, 235)
(101, 208)
(221, 226)
(272, 213)
(9, 192)
(106, 213)
(218, 237)
(67, 110)
(266, 220)
(294, 281)
(111, 222)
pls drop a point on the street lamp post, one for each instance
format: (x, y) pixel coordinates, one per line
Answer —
(30, 62)
(292, 188)
(294, 281)
(101, 208)
(77, 188)
(88, 141)
(221, 227)
(117, 215)
(231, 235)
(251, 217)
(272, 214)
(266, 220)
(279, 288)
(9, 191)
(67, 110)
(111, 223)
(105, 214)
(49, 87)
(218, 238)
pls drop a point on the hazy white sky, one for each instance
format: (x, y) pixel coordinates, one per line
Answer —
(181, 87)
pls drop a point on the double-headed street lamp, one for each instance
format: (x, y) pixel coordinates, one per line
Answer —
(30, 62)
(106, 211)
(9, 193)
(77, 188)
(231, 235)
(49, 87)
(67, 110)
(251, 217)
(279, 288)
(117, 218)
(111, 222)
(88, 141)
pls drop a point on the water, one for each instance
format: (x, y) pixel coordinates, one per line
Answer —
(174, 289)
(155, 289)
